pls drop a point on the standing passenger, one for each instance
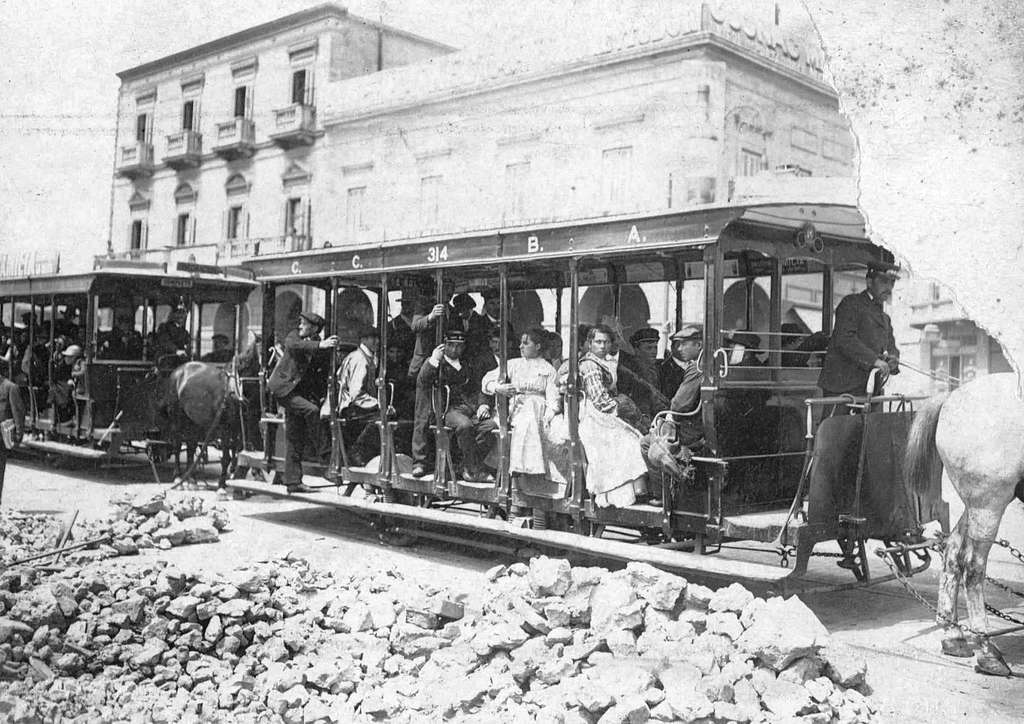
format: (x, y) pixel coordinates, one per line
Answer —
(295, 385)
(11, 408)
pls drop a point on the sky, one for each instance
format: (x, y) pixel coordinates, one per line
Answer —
(58, 61)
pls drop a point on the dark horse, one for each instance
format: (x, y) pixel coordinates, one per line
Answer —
(977, 433)
(200, 405)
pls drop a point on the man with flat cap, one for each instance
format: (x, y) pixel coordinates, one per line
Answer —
(446, 366)
(298, 387)
(680, 376)
(862, 338)
(638, 374)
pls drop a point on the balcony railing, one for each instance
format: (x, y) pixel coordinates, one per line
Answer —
(136, 160)
(235, 138)
(184, 149)
(265, 245)
(294, 125)
(171, 255)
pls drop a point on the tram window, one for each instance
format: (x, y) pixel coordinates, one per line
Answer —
(216, 328)
(119, 330)
(356, 308)
(803, 298)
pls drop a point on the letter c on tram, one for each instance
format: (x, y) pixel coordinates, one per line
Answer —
(356, 263)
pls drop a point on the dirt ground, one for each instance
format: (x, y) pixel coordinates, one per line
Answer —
(912, 681)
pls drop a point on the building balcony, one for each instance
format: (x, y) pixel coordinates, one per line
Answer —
(169, 255)
(264, 245)
(936, 311)
(294, 125)
(235, 139)
(136, 161)
(184, 150)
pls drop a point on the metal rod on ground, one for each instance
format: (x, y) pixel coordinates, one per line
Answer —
(64, 538)
(110, 427)
(47, 554)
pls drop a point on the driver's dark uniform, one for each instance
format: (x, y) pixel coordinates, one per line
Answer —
(297, 382)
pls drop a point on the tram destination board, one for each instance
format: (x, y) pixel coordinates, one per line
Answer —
(330, 261)
(449, 252)
(668, 230)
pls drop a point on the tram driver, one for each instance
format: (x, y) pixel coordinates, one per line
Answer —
(862, 339)
(171, 336)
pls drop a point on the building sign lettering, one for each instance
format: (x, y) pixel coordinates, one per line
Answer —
(766, 41)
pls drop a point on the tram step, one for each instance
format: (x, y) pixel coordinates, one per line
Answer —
(764, 527)
(63, 448)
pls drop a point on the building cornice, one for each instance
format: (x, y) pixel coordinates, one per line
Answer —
(691, 41)
(259, 32)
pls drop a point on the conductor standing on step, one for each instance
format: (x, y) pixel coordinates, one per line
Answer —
(295, 385)
(862, 338)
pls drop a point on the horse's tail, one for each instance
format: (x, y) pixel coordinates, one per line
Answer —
(921, 453)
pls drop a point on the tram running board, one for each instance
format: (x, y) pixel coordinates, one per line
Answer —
(713, 571)
(63, 448)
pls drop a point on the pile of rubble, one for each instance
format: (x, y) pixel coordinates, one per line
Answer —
(25, 534)
(545, 642)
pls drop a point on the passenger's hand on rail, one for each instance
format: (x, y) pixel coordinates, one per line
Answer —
(436, 312)
(483, 412)
(331, 341)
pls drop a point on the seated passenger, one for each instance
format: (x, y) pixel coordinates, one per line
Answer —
(357, 398)
(222, 352)
(446, 367)
(744, 348)
(528, 378)
(171, 336)
(615, 465)
(639, 374)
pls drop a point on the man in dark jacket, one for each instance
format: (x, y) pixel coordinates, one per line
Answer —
(446, 367)
(862, 338)
(298, 387)
(11, 408)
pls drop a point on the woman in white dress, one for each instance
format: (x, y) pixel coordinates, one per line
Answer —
(616, 471)
(528, 379)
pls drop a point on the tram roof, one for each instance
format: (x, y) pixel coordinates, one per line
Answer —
(158, 278)
(578, 238)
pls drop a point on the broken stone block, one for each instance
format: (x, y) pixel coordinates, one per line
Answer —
(783, 631)
(785, 698)
(629, 710)
(560, 636)
(698, 597)
(183, 607)
(733, 597)
(725, 623)
(845, 667)
(803, 669)
(549, 576)
(659, 588)
(613, 605)
(150, 653)
(621, 643)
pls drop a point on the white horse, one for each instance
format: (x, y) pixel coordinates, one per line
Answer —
(977, 433)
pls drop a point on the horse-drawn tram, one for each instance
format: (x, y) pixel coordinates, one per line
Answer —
(92, 352)
(545, 409)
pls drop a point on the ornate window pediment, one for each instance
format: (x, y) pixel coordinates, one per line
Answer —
(295, 175)
(184, 194)
(138, 202)
(236, 185)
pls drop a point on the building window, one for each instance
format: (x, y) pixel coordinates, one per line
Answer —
(142, 128)
(751, 163)
(234, 222)
(704, 101)
(302, 87)
(935, 292)
(616, 171)
(137, 236)
(294, 218)
(188, 116)
(430, 200)
(243, 102)
(516, 189)
(183, 229)
(354, 210)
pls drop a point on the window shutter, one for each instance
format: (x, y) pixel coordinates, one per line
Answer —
(310, 89)
(245, 227)
(248, 102)
(192, 231)
(307, 223)
(131, 236)
(224, 225)
(283, 226)
(145, 234)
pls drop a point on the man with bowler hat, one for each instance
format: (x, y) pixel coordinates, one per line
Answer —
(295, 385)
